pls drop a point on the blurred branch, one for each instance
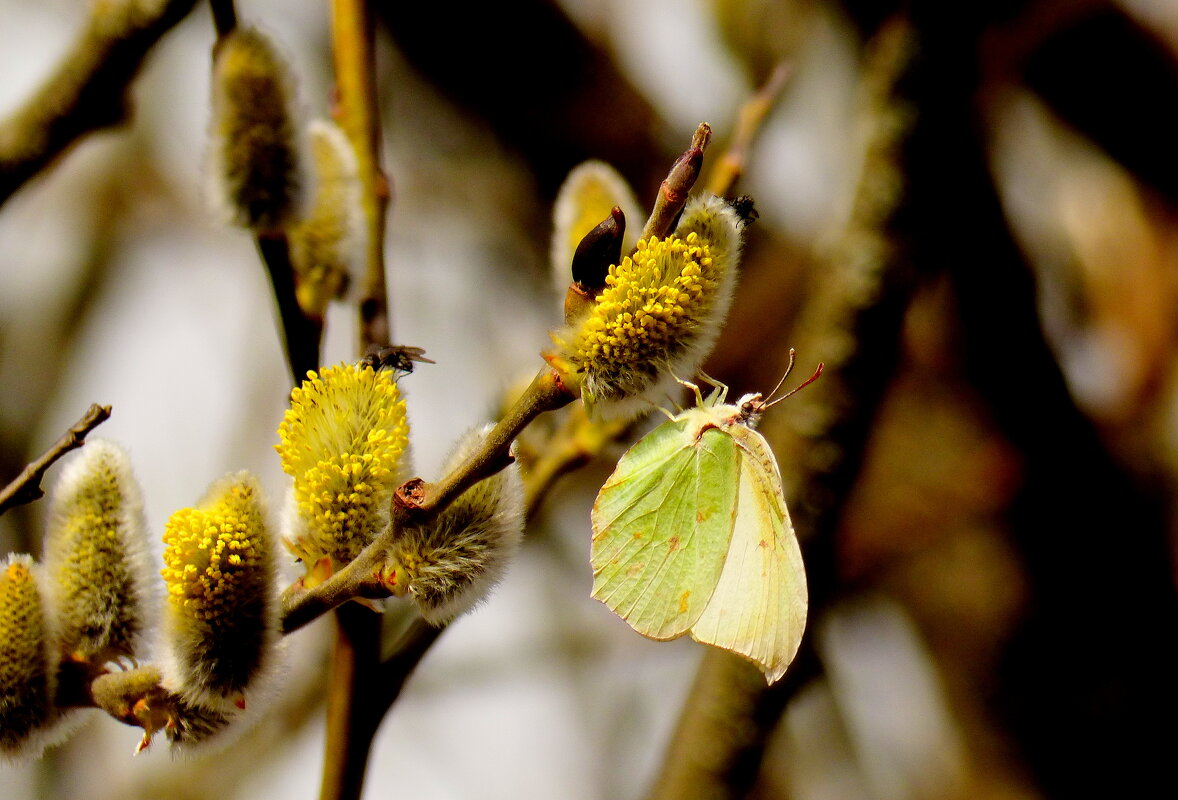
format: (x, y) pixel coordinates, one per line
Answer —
(550, 93)
(729, 168)
(26, 487)
(1120, 100)
(224, 16)
(853, 323)
(1085, 679)
(88, 89)
(302, 334)
(358, 114)
(356, 653)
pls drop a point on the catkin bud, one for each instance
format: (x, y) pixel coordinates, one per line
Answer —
(450, 564)
(344, 440)
(658, 316)
(328, 246)
(137, 697)
(221, 617)
(28, 660)
(587, 196)
(95, 555)
(256, 170)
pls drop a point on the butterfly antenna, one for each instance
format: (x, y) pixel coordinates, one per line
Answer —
(793, 355)
(799, 387)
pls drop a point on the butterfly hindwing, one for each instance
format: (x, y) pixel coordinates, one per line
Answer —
(662, 525)
(758, 608)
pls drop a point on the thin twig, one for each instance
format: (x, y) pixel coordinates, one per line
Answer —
(673, 191)
(26, 487)
(351, 682)
(407, 653)
(578, 442)
(88, 89)
(729, 167)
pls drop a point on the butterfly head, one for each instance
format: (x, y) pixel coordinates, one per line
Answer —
(752, 406)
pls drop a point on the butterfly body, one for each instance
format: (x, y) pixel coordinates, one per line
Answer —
(692, 535)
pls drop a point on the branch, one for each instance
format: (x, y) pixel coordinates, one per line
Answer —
(301, 333)
(358, 114)
(27, 486)
(88, 90)
(730, 166)
(224, 16)
(351, 724)
(673, 191)
(358, 578)
(578, 442)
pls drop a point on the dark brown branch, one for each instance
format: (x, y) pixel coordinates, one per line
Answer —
(301, 334)
(224, 16)
(556, 102)
(87, 91)
(26, 487)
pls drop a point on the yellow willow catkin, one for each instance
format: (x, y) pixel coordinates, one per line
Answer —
(221, 617)
(256, 171)
(344, 440)
(27, 659)
(451, 563)
(95, 555)
(658, 316)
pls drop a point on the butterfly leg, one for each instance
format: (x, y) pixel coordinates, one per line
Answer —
(699, 398)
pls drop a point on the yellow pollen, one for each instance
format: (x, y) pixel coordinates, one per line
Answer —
(212, 555)
(342, 441)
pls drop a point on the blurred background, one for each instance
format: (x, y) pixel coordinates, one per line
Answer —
(987, 487)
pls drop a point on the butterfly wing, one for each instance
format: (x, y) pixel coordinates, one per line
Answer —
(661, 526)
(759, 606)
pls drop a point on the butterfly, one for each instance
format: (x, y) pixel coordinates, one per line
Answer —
(691, 534)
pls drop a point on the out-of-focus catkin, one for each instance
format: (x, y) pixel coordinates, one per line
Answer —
(28, 658)
(328, 246)
(95, 555)
(586, 197)
(256, 171)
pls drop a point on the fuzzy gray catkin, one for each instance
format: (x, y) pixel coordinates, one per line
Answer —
(447, 566)
(256, 170)
(95, 555)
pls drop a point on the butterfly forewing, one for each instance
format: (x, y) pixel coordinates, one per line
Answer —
(662, 524)
(759, 606)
